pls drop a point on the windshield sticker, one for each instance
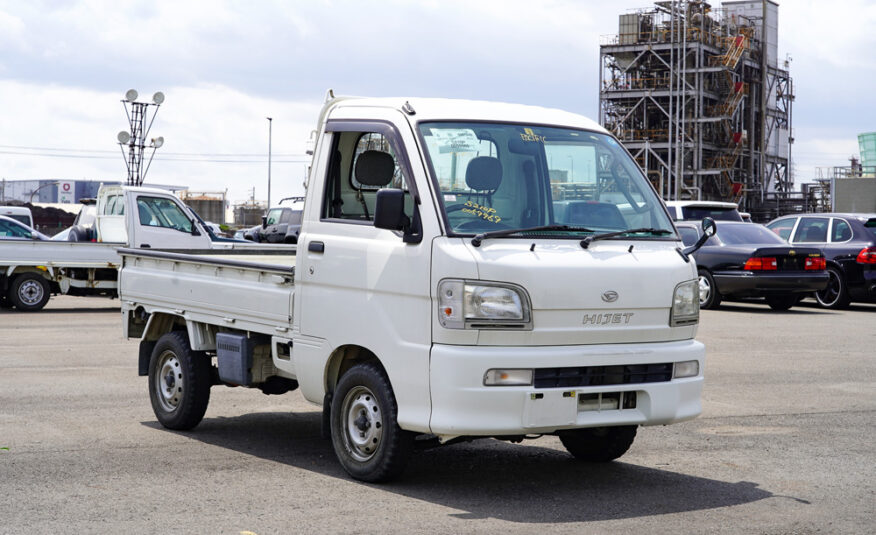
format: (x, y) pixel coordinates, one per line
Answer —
(484, 212)
(530, 136)
(450, 198)
(456, 140)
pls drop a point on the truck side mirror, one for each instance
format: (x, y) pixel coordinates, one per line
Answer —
(264, 221)
(389, 212)
(709, 230)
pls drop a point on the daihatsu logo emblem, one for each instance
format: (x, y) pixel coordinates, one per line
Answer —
(609, 296)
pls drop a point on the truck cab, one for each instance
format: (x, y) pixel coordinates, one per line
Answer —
(146, 218)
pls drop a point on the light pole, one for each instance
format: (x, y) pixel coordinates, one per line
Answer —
(270, 123)
(34, 192)
(135, 139)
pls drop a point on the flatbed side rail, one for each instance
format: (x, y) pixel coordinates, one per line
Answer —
(207, 256)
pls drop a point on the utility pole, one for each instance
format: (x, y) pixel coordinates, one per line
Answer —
(270, 122)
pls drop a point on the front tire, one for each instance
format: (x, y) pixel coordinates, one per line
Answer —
(29, 292)
(366, 437)
(179, 382)
(836, 294)
(598, 444)
(710, 297)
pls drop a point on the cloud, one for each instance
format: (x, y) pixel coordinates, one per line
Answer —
(227, 65)
(216, 138)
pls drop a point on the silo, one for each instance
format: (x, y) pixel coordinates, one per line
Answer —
(867, 147)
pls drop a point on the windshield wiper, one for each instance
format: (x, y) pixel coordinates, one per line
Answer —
(589, 239)
(476, 241)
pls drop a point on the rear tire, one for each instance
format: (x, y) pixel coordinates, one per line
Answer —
(710, 297)
(179, 382)
(782, 302)
(836, 295)
(598, 444)
(366, 437)
(29, 292)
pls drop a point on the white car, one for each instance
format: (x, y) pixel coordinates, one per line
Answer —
(12, 229)
(697, 210)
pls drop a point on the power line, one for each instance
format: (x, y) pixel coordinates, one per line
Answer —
(166, 157)
(102, 151)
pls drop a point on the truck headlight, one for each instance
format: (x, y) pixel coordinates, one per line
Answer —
(482, 305)
(685, 304)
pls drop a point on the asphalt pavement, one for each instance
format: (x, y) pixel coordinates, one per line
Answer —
(784, 445)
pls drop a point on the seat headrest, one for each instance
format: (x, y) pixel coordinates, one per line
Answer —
(374, 168)
(483, 173)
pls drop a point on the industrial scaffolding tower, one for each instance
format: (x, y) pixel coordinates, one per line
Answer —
(695, 94)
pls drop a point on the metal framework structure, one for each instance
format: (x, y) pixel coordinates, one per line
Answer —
(135, 139)
(695, 94)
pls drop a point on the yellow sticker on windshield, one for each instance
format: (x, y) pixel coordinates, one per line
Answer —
(484, 212)
(529, 135)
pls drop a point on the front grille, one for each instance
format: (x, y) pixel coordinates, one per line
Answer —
(603, 375)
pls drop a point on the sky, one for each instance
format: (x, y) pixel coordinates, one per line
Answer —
(225, 66)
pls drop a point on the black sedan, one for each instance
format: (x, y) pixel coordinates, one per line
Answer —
(746, 260)
(849, 245)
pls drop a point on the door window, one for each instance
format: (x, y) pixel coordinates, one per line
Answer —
(811, 230)
(783, 227)
(9, 229)
(841, 231)
(159, 212)
(362, 164)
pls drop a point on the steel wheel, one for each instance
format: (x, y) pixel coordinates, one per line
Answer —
(365, 433)
(168, 382)
(29, 292)
(179, 382)
(363, 423)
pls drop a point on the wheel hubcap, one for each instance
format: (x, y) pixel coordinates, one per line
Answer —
(169, 381)
(31, 292)
(705, 289)
(363, 423)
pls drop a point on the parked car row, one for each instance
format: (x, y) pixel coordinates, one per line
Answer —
(849, 245)
(747, 260)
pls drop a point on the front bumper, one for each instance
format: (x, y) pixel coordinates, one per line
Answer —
(758, 284)
(463, 406)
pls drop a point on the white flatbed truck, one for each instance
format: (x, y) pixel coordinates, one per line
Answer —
(127, 216)
(437, 295)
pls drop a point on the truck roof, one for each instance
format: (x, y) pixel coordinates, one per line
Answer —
(442, 109)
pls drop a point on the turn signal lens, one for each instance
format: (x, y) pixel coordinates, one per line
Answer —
(508, 377)
(867, 256)
(689, 368)
(816, 263)
(765, 263)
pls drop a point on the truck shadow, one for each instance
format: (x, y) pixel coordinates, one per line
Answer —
(488, 478)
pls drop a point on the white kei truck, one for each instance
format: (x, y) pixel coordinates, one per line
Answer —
(31, 270)
(464, 270)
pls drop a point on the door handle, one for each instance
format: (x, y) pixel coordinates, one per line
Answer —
(145, 246)
(316, 247)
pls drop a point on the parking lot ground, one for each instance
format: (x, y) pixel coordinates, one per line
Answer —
(784, 445)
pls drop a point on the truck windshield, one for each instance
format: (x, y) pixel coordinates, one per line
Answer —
(494, 176)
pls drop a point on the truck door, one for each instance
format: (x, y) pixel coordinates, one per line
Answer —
(360, 285)
(161, 222)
